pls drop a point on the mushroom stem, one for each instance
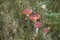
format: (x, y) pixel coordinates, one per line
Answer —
(37, 30)
(35, 21)
(44, 36)
(27, 15)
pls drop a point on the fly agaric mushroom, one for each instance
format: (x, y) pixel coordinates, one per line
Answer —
(45, 30)
(27, 11)
(34, 17)
(37, 25)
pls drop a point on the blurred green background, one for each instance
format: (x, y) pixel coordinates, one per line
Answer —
(14, 26)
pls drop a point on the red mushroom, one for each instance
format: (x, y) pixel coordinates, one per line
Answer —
(27, 11)
(37, 25)
(45, 30)
(34, 17)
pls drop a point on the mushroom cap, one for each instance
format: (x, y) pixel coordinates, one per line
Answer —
(34, 17)
(37, 25)
(27, 11)
(45, 30)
